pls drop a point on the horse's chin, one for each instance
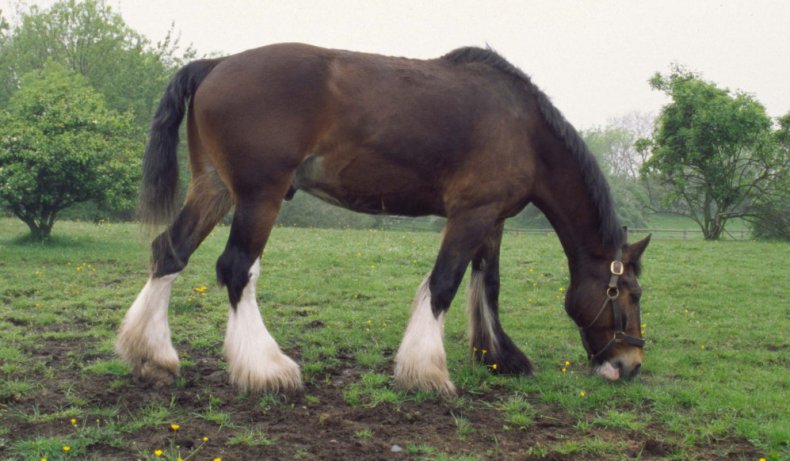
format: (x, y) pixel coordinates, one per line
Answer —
(607, 371)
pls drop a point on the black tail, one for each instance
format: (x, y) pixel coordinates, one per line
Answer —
(159, 190)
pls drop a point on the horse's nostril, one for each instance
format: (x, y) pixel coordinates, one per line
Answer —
(635, 371)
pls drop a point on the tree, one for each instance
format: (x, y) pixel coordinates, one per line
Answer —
(60, 145)
(771, 209)
(3, 28)
(711, 149)
(89, 38)
(613, 147)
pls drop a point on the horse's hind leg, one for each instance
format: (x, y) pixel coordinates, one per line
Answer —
(144, 337)
(488, 341)
(255, 361)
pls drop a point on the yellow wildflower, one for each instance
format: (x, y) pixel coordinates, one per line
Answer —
(205, 439)
(174, 427)
(66, 448)
(567, 363)
(73, 422)
(201, 289)
(564, 369)
(582, 394)
(493, 367)
(158, 452)
(217, 459)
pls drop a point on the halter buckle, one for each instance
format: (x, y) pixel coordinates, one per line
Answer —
(617, 268)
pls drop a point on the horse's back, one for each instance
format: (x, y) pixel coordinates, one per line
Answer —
(367, 121)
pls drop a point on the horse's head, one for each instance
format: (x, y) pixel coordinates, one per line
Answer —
(604, 303)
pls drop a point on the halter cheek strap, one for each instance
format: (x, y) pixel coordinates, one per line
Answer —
(616, 269)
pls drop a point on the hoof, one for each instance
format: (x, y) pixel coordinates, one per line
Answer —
(281, 375)
(159, 375)
(506, 358)
(432, 379)
(159, 370)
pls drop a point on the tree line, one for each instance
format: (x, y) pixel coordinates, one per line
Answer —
(78, 88)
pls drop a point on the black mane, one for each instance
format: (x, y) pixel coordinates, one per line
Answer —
(594, 179)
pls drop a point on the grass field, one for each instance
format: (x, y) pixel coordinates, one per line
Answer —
(714, 383)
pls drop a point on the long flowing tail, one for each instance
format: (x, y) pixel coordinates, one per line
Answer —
(159, 190)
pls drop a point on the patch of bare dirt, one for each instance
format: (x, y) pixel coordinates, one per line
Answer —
(316, 424)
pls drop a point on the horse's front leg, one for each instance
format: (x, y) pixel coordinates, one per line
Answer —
(421, 362)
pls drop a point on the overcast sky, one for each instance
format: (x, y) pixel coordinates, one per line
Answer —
(593, 58)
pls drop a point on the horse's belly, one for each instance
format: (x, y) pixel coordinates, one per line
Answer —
(368, 188)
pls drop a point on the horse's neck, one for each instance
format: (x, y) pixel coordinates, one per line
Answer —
(563, 197)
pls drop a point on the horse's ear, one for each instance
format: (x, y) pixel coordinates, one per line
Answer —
(635, 250)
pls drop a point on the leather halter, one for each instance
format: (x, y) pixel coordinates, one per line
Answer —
(616, 268)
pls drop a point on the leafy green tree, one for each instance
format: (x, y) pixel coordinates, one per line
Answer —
(712, 150)
(60, 145)
(3, 28)
(613, 147)
(771, 208)
(88, 37)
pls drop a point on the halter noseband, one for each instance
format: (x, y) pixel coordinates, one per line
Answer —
(616, 268)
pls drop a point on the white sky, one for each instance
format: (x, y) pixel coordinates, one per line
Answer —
(593, 58)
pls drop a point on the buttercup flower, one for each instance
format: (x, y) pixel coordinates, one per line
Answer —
(66, 448)
(582, 394)
(174, 427)
(158, 453)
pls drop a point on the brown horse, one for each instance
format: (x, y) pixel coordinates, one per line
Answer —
(466, 136)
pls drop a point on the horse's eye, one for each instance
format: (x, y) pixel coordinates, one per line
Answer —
(635, 297)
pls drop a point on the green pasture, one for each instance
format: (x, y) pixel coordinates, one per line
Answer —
(716, 314)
